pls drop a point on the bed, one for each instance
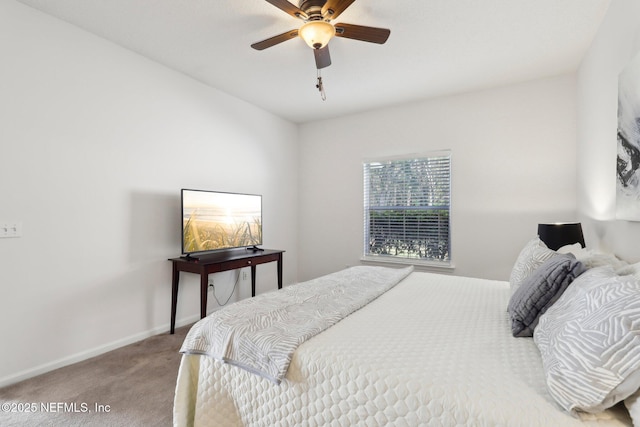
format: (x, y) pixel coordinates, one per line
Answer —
(433, 349)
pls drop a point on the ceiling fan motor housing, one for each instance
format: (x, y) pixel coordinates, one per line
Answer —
(313, 9)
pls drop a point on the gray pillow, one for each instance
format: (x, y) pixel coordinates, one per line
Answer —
(540, 290)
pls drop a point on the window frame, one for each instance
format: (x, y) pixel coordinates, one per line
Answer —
(393, 259)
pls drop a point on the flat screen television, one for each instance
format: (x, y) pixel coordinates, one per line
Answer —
(216, 221)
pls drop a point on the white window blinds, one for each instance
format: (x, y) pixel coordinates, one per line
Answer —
(406, 208)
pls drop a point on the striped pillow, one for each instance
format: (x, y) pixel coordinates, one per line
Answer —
(530, 258)
(589, 341)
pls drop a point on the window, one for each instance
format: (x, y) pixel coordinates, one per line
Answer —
(406, 209)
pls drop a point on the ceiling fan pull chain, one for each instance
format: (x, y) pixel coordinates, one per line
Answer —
(320, 87)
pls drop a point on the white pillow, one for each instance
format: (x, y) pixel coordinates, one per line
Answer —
(570, 249)
(633, 406)
(630, 269)
(592, 258)
(531, 257)
(589, 341)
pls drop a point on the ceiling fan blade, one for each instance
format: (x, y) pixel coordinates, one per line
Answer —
(272, 41)
(333, 8)
(323, 59)
(365, 34)
(292, 10)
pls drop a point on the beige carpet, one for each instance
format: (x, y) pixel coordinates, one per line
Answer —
(130, 386)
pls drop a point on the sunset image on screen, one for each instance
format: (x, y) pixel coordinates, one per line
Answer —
(214, 221)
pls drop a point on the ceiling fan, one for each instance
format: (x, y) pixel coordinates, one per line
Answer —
(317, 29)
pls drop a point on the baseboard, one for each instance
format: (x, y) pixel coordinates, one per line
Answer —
(84, 355)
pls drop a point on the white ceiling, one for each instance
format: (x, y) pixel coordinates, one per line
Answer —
(436, 47)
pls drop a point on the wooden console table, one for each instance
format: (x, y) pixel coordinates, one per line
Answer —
(218, 262)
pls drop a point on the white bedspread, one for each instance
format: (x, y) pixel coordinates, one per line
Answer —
(435, 350)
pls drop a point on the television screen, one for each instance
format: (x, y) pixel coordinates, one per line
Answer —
(213, 220)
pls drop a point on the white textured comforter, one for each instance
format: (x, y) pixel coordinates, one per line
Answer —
(435, 350)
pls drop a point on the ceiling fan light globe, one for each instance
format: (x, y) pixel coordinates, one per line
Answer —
(317, 33)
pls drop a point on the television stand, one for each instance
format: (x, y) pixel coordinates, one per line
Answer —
(215, 263)
(255, 249)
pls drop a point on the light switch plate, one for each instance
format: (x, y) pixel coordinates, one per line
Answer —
(10, 229)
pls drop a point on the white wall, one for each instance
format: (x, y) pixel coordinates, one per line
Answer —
(513, 159)
(617, 42)
(95, 144)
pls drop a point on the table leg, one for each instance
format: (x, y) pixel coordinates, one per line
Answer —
(253, 280)
(174, 296)
(204, 284)
(280, 271)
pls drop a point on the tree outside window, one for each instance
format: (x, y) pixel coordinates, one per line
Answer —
(407, 208)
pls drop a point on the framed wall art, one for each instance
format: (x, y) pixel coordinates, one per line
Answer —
(628, 158)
